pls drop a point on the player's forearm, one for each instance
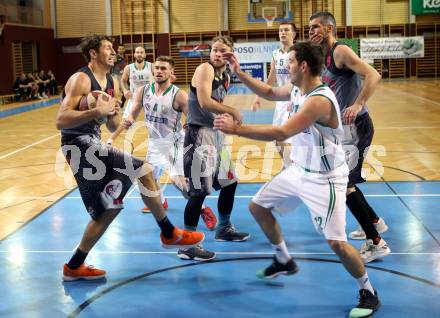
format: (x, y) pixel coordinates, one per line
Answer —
(135, 110)
(216, 107)
(125, 86)
(260, 88)
(264, 133)
(113, 123)
(74, 118)
(371, 81)
(271, 79)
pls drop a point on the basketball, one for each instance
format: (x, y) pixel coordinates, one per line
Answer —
(89, 102)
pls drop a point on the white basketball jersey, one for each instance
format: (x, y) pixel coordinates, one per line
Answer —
(318, 148)
(281, 60)
(163, 122)
(141, 77)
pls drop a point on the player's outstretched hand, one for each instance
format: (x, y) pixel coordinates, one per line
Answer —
(225, 123)
(233, 61)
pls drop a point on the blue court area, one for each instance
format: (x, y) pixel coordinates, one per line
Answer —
(144, 280)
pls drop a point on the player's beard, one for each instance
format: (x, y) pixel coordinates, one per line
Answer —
(296, 80)
(160, 82)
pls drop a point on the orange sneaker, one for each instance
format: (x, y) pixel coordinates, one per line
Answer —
(87, 272)
(209, 218)
(147, 209)
(182, 239)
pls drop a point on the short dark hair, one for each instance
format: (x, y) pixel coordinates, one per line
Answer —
(226, 40)
(311, 53)
(326, 18)
(165, 58)
(92, 42)
(294, 29)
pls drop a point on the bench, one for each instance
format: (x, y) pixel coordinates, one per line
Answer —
(8, 98)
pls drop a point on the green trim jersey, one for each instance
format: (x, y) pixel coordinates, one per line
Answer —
(163, 121)
(141, 77)
(318, 148)
(281, 60)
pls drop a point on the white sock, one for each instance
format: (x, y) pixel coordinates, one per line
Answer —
(203, 206)
(364, 283)
(281, 252)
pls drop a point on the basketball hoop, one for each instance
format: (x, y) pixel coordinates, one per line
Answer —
(269, 14)
(269, 20)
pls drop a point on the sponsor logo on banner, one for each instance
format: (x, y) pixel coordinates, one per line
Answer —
(256, 70)
(255, 52)
(425, 7)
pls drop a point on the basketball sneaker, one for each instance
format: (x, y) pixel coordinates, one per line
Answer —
(276, 268)
(147, 209)
(197, 253)
(359, 234)
(228, 233)
(368, 304)
(87, 272)
(209, 218)
(369, 252)
(182, 238)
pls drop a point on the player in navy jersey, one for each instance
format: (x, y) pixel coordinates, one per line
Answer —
(104, 174)
(342, 72)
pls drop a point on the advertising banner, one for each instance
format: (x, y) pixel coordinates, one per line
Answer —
(392, 48)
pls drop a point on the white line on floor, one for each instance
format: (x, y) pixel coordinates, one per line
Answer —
(28, 146)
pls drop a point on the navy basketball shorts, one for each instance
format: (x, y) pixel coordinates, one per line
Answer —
(207, 162)
(357, 139)
(103, 173)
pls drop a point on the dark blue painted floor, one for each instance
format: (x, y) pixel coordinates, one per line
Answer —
(144, 280)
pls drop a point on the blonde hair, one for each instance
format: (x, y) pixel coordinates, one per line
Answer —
(226, 40)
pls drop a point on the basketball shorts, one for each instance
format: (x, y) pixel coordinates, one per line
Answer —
(103, 173)
(283, 111)
(165, 156)
(357, 139)
(207, 162)
(323, 194)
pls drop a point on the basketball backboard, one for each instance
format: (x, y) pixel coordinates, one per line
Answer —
(269, 11)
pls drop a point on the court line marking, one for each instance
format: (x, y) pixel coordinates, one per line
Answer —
(219, 253)
(113, 287)
(28, 146)
(129, 192)
(209, 197)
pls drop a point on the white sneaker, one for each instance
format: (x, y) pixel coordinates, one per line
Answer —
(44, 95)
(359, 234)
(369, 252)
